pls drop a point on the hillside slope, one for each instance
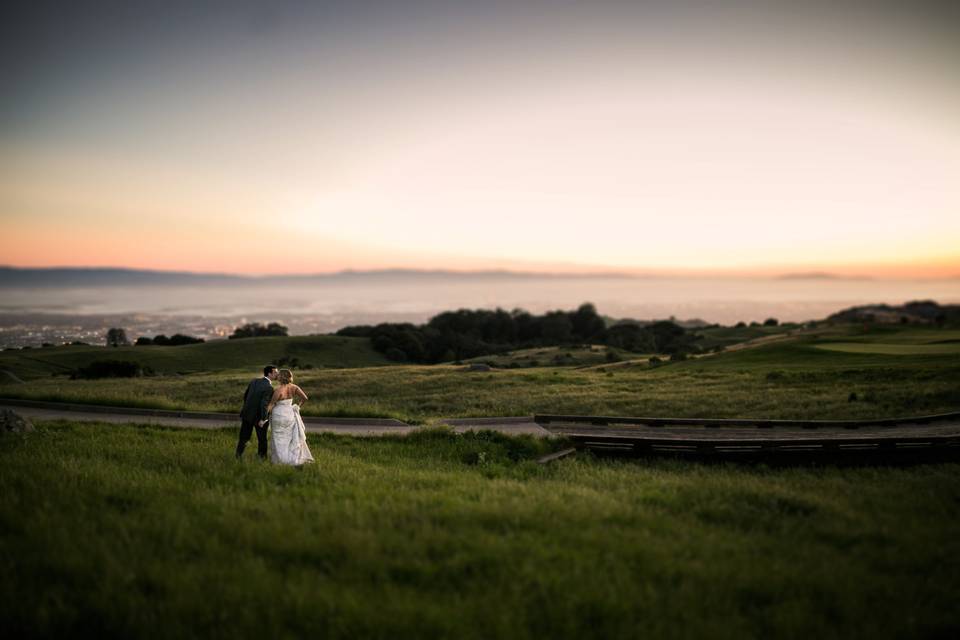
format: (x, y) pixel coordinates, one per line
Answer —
(217, 355)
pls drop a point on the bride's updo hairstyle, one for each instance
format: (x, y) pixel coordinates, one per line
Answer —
(285, 376)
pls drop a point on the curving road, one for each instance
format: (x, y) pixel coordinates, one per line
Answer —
(36, 410)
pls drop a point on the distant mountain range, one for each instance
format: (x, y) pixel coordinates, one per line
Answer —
(104, 277)
(93, 277)
(819, 275)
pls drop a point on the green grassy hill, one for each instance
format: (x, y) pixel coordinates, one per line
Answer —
(217, 355)
(795, 377)
(152, 532)
(714, 337)
(847, 346)
(570, 356)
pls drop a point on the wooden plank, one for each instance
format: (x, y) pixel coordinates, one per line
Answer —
(735, 437)
(711, 446)
(551, 419)
(739, 434)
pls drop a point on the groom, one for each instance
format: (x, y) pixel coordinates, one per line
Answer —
(254, 412)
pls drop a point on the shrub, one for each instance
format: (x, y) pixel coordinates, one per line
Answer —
(395, 354)
(178, 339)
(356, 331)
(474, 458)
(631, 337)
(175, 340)
(771, 322)
(655, 361)
(110, 369)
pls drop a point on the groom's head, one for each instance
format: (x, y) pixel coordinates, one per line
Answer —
(270, 372)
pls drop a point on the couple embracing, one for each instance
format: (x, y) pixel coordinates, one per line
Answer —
(262, 406)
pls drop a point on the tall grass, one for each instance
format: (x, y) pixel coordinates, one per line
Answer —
(146, 532)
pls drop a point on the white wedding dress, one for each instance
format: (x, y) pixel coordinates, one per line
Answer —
(288, 436)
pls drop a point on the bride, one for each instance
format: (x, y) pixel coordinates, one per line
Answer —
(287, 433)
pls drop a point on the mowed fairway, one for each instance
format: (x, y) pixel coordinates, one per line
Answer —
(145, 532)
(900, 342)
(893, 349)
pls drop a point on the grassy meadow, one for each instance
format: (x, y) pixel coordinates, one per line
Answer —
(809, 375)
(133, 531)
(570, 356)
(216, 355)
(138, 531)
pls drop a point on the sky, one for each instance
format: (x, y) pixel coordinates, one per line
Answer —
(648, 137)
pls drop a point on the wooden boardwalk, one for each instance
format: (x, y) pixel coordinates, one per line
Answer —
(739, 438)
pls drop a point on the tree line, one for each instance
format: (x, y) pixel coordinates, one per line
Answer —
(468, 333)
(117, 337)
(175, 340)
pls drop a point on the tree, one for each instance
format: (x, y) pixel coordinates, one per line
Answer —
(175, 340)
(257, 330)
(771, 322)
(557, 328)
(587, 324)
(631, 337)
(668, 337)
(117, 337)
(110, 369)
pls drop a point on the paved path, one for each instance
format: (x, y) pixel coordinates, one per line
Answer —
(36, 410)
(510, 425)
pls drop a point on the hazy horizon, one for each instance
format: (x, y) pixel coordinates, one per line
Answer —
(598, 272)
(724, 300)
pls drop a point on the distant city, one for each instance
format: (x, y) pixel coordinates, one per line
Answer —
(37, 330)
(56, 306)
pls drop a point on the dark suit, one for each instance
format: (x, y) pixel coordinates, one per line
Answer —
(255, 401)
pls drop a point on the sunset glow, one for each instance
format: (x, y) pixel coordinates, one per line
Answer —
(580, 139)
